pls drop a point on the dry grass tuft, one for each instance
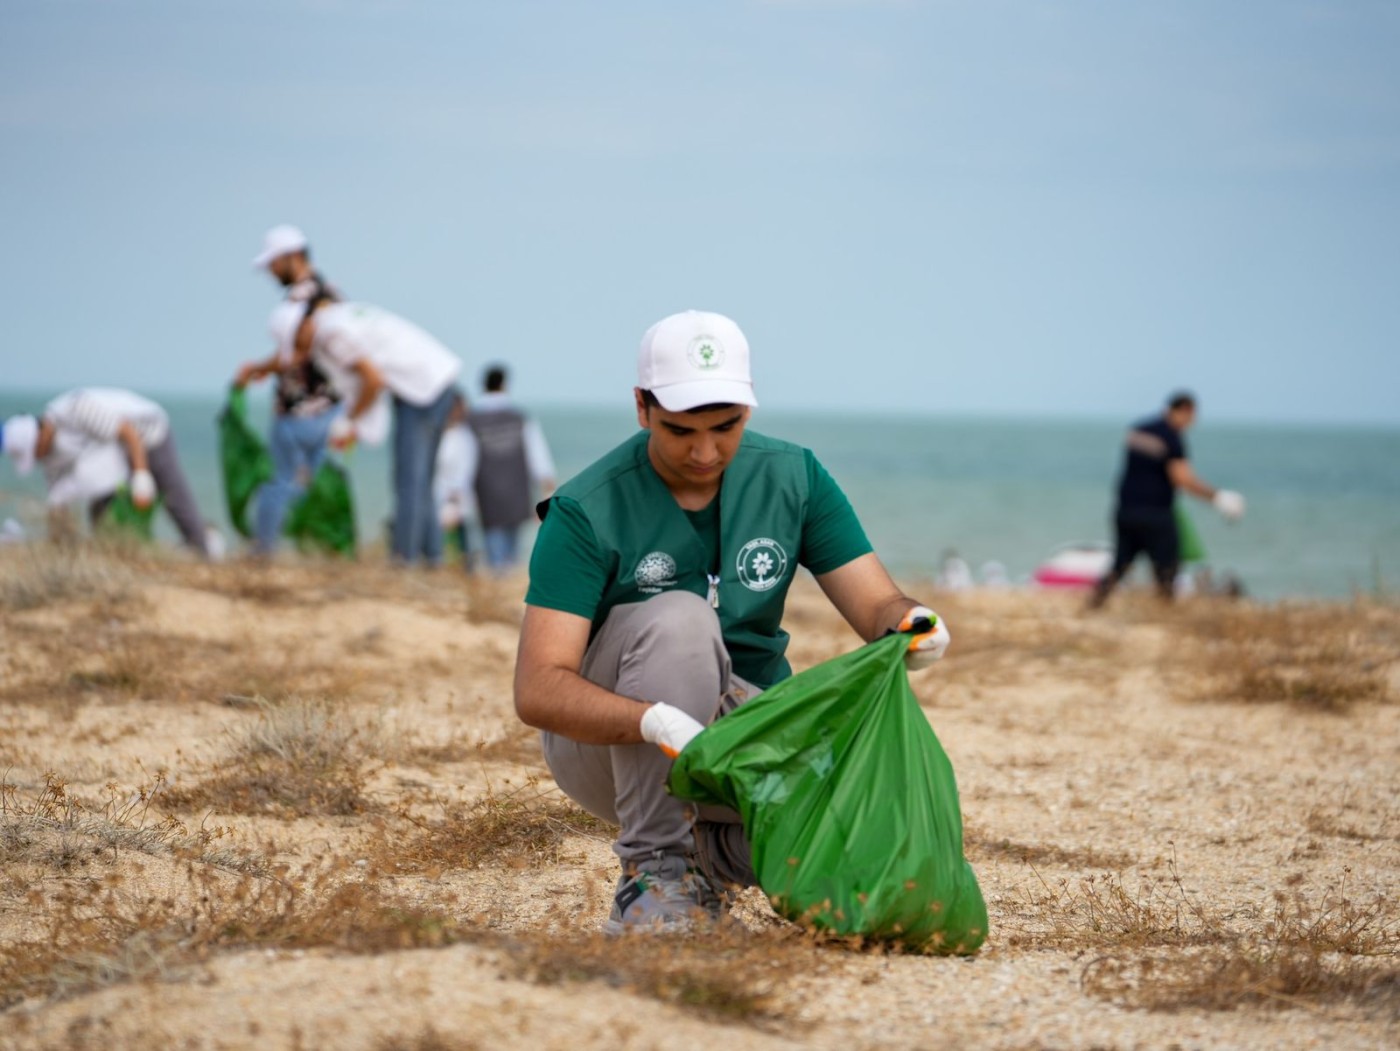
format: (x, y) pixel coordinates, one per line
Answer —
(1105, 911)
(522, 828)
(36, 575)
(428, 1039)
(1309, 656)
(301, 757)
(727, 974)
(978, 847)
(55, 832)
(1336, 951)
(93, 936)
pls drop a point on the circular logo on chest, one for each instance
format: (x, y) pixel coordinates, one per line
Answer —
(762, 563)
(656, 570)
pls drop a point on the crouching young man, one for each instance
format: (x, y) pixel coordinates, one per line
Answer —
(655, 606)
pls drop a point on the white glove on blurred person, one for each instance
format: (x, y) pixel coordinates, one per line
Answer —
(669, 728)
(1229, 503)
(143, 489)
(930, 639)
(342, 433)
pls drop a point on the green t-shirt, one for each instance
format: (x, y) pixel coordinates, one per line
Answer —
(571, 571)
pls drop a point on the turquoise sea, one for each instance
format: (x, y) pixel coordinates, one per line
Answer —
(1324, 503)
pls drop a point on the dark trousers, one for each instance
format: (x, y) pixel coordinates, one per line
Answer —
(164, 464)
(1143, 530)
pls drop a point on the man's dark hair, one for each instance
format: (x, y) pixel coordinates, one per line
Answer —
(649, 400)
(1182, 399)
(495, 379)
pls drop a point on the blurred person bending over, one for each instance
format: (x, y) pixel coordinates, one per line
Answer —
(512, 460)
(305, 403)
(1155, 466)
(92, 441)
(657, 588)
(367, 352)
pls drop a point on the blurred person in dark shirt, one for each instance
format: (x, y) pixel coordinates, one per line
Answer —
(1155, 466)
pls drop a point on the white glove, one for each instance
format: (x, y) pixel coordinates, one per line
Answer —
(930, 639)
(342, 432)
(669, 728)
(143, 489)
(1229, 503)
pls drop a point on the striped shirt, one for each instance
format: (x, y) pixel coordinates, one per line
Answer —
(86, 460)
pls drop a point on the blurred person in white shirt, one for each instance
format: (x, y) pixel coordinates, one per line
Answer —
(92, 441)
(369, 352)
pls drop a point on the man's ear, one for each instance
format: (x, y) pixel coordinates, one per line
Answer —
(643, 409)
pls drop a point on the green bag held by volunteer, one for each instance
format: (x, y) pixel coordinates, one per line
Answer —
(848, 801)
(123, 518)
(245, 460)
(325, 515)
(1188, 541)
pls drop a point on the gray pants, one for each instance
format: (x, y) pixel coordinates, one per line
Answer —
(667, 649)
(171, 483)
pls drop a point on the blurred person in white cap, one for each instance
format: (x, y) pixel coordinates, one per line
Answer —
(369, 352)
(91, 441)
(305, 403)
(1155, 468)
(657, 588)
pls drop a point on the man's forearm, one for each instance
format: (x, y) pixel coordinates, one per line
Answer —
(890, 614)
(565, 703)
(370, 387)
(135, 449)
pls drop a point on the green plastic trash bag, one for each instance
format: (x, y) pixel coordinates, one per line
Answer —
(245, 460)
(324, 517)
(1189, 547)
(123, 518)
(848, 801)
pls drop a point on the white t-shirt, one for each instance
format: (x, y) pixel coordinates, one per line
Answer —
(452, 475)
(415, 366)
(86, 460)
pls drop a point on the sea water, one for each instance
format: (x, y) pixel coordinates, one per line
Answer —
(1324, 503)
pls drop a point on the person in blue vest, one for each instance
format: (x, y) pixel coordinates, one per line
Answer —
(655, 606)
(1155, 466)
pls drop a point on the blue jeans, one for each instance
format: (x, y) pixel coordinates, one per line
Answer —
(298, 447)
(502, 545)
(417, 434)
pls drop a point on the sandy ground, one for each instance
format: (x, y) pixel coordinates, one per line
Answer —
(1158, 804)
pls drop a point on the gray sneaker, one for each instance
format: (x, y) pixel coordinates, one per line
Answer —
(661, 896)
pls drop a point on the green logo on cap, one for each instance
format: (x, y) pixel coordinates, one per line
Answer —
(705, 353)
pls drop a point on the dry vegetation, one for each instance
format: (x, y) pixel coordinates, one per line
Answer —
(291, 765)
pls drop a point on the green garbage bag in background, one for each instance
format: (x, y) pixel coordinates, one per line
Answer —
(848, 801)
(1188, 541)
(123, 518)
(245, 460)
(323, 518)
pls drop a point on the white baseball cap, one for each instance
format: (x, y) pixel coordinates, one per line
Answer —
(695, 358)
(280, 241)
(19, 437)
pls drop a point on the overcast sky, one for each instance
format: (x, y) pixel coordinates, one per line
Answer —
(945, 207)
